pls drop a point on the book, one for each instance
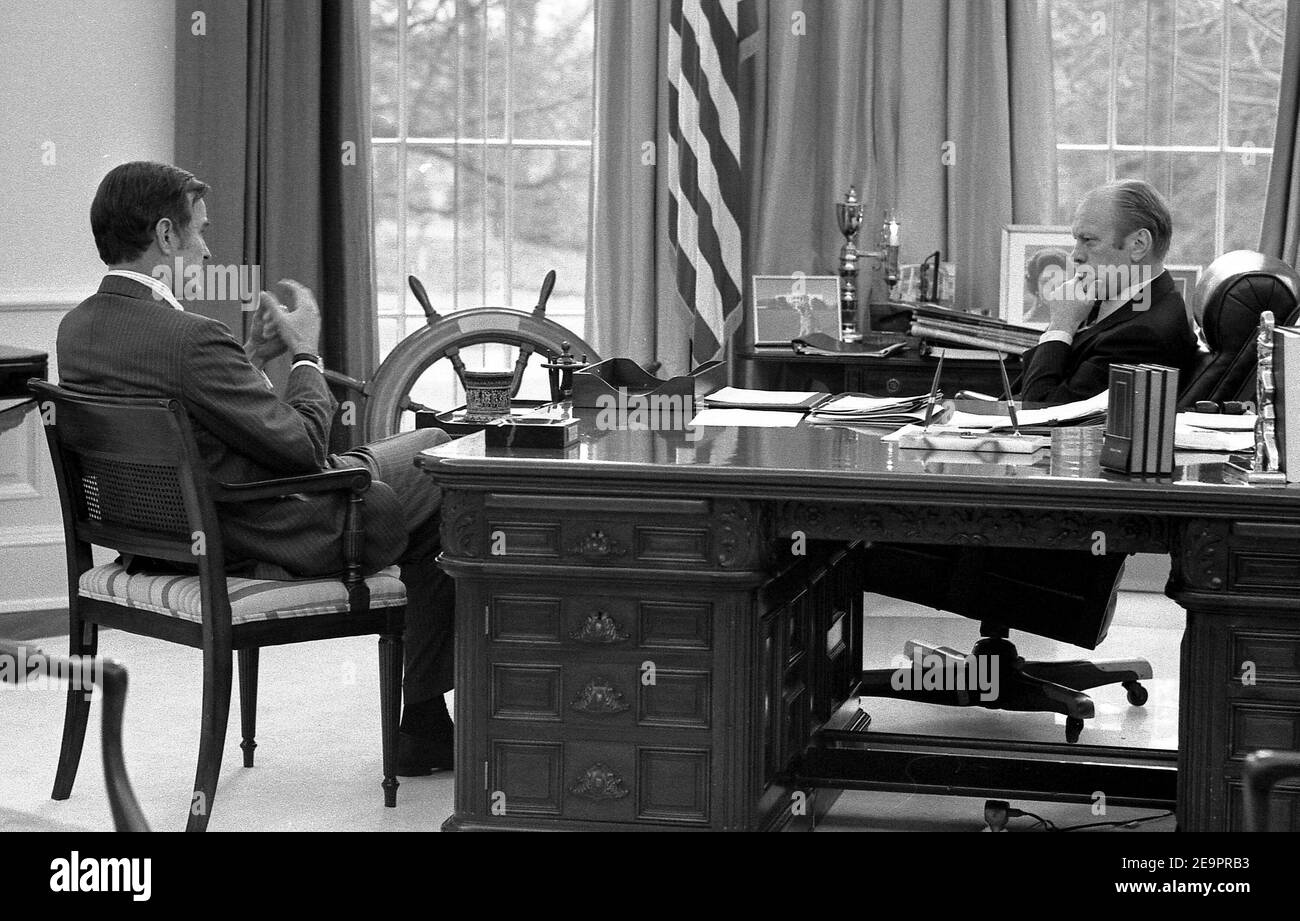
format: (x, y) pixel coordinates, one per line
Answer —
(1117, 445)
(1286, 407)
(974, 339)
(1155, 406)
(1137, 458)
(1169, 421)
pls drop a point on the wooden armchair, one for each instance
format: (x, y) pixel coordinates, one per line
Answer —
(25, 663)
(130, 478)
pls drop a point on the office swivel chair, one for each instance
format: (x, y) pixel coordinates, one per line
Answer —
(997, 587)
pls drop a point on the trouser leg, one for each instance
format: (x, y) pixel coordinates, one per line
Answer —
(430, 593)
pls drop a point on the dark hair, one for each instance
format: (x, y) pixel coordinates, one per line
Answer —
(1041, 260)
(132, 199)
(1138, 206)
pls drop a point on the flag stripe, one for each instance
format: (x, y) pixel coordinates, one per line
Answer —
(704, 171)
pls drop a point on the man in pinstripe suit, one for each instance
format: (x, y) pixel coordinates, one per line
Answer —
(134, 337)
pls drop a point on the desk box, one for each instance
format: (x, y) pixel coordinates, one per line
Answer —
(16, 366)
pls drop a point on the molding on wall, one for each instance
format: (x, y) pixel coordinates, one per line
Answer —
(33, 605)
(31, 536)
(38, 299)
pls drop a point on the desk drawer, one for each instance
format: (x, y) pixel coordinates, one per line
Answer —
(658, 533)
(1252, 726)
(601, 782)
(1272, 656)
(601, 696)
(549, 617)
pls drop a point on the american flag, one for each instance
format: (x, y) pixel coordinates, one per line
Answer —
(705, 191)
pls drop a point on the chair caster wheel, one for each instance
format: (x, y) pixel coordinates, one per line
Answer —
(1073, 727)
(1137, 695)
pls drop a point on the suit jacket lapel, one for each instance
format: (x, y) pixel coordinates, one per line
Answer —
(1159, 287)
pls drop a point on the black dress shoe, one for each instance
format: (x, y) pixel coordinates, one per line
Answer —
(418, 755)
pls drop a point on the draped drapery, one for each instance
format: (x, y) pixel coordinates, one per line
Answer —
(272, 110)
(940, 109)
(1281, 231)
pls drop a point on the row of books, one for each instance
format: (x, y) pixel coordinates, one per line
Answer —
(1141, 416)
(1286, 412)
(940, 324)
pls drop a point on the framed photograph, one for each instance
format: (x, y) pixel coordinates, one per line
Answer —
(790, 306)
(1033, 257)
(1185, 279)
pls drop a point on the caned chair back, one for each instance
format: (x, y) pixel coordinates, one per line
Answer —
(129, 476)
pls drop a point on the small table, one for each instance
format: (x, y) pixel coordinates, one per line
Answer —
(905, 372)
(12, 411)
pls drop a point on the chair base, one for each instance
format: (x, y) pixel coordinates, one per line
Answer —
(995, 677)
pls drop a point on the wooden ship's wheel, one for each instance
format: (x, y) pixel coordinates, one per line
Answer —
(388, 393)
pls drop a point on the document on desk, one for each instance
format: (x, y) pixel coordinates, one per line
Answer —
(951, 438)
(1080, 412)
(747, 418)
(783, 400)
(1214, 432)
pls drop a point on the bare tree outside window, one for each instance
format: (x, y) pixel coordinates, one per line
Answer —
(481, 132)
(1180, 92)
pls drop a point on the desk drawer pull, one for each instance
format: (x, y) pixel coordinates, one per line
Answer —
(599, 629)
(600, 782)
(893, 385)
(596, 546)
(599, 698)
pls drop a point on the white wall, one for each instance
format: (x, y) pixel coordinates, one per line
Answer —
(84, 85)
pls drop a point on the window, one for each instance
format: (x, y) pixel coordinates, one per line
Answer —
(481, 135)
(1182, 93)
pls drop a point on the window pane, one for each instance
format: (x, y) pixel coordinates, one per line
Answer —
(1197, 93)
(431, 68)
(553, 45)
(388, 268)
(383, 68)
(1081, 55)
(1247, 178)
(1255, 66)
(1192, 197)
(551, 229)
(1080, 170)
(431, 226)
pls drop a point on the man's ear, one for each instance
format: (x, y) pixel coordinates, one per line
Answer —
(1139, 244)
(164, 234)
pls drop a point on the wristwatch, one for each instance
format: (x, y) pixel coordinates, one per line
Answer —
(308, 358)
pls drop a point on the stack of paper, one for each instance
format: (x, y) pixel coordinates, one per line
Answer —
(1081, 412)
(856, 409)
(738, 398)
(1214, 432)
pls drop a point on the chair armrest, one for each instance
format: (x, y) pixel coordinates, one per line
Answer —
(346, 479)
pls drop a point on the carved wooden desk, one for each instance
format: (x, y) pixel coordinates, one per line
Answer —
(637, 647)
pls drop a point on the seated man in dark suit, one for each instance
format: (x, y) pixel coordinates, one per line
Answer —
(1121, 307)
(133, 337)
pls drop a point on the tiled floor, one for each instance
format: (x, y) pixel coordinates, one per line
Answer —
(318, 734)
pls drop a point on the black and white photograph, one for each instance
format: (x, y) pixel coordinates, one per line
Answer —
(795, 306)
(405, 428)
(1035, 261)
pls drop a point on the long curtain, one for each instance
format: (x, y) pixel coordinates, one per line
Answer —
(1281, 231)
(632, 310)
(272, 109)
(939, 109)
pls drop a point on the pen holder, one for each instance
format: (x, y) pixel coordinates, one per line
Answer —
(487, 394)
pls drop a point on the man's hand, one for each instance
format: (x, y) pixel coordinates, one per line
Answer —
(1069, 304)
(298, 326)
(263, 342)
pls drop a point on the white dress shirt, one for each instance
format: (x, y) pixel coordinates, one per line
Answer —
(160, 291)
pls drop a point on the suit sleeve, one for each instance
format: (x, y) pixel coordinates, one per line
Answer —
(1045, 378)
(231, 399)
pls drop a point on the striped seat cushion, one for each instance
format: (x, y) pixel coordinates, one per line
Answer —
(250, 599)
